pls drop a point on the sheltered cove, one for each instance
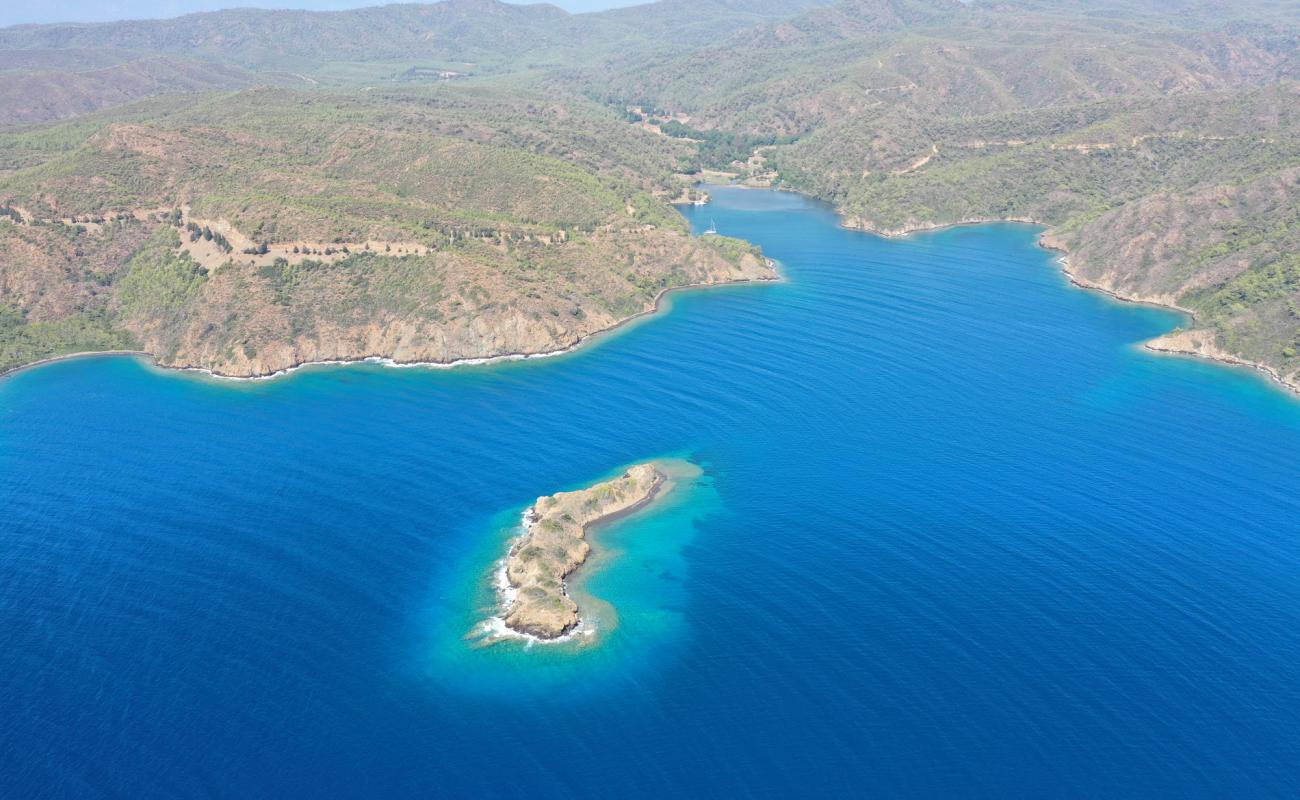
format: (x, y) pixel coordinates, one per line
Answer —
(1197, 343)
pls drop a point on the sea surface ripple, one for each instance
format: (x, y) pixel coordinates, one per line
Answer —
(956, 535)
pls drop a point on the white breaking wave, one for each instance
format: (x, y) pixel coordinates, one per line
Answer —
(387, 362)
(495, 627)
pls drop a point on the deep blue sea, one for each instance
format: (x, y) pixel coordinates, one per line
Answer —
(955, 534)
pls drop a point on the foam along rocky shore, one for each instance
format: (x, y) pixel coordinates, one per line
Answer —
(534, 598)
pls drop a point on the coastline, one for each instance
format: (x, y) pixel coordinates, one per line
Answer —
(1175, 343)
(1165, 344)
(856, 223)
(655, 308)
(496, 627)
(1179, 343)
(74, 357)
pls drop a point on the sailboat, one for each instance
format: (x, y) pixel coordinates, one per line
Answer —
(713, 229)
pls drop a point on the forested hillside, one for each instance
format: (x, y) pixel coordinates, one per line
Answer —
(251, 231)
(1160, 145)
(175, 184)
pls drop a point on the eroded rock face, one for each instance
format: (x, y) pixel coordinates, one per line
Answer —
(1204, 344)
(554, 544)
(439, 308)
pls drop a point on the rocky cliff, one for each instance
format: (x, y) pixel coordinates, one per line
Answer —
(554, 544)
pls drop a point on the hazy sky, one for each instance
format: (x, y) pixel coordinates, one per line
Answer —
(14, 12)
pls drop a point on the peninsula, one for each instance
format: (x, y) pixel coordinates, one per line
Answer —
(554, 544)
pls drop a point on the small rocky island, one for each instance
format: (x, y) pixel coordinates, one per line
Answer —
(534, 599)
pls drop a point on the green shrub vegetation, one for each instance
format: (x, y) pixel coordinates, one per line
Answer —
(1162, 149)
(22, 342)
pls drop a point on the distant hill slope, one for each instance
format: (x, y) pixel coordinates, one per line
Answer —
(499, 34)
(936, 58)
(50, 72)
(39, 95)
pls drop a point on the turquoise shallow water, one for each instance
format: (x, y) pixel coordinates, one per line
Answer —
(955, 534)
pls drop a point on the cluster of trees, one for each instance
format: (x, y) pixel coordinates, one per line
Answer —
(208, 235)
(23, 342)
(327, 251)
(84, 219)
(718, 149)
(1271, 281)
